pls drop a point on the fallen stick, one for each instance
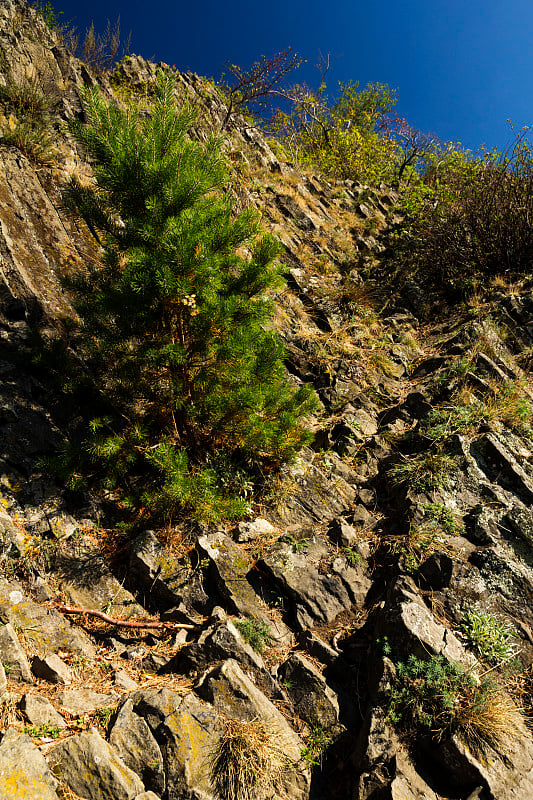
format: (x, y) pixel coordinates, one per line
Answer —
(91, 612)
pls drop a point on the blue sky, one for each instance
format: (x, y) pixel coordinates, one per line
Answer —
(461, 67)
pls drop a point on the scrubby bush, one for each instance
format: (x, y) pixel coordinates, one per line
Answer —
(443, 698)
(25, 121)
(471, 221)
(176, 327)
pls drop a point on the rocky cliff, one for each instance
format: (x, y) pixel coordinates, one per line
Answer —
(405, 530)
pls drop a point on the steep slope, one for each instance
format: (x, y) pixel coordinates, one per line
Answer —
(409, 515)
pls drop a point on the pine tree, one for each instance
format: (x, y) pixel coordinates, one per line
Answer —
(176, 322)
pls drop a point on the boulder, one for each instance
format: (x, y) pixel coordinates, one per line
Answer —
(24, 773)
(132, 739)
(92, 768)
(185, 729)
(13, 656)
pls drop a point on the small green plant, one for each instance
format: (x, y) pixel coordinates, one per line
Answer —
(255, 632)
(318, 742)
(249, 760)
(445, 517)
(444, 421)
(443, 698)
(424, 473)
(491, 638)
(419, 543)
(40, 731)
(353, 558)
(298, 545)
(25, 121)
(102, 716)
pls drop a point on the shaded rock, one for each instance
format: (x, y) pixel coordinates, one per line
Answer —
(230, 566)
(24, 773)
(219, 643)
(234, 696)
(316, 597)
(13, 656)
(411, 627)
(506, 773)
(185, 729)
(132, 739)
(87, 581)
(80, 701)
(40, 711)
(52, 669)
(436, 571)
(162, 577)
(313, 699)
(45, 626)
(92, 768)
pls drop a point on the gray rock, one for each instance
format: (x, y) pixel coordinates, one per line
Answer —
(162, 576)
(218, 643)
(92, 768)
(249, 531)
(24, 773)
(81, 701)
(13, 656)
(40, 711)
(234, 696)
(133, 741)
(185, 729)
(316, 597)
(87, 581)
(313, 699)
(52, 669)
(230, 566)
(47, 628)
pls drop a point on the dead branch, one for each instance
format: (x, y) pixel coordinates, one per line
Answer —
(91, 612)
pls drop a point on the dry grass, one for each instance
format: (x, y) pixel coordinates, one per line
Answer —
(249, 760)
(493, 721)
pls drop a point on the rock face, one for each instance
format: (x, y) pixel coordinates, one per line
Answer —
(307, 614)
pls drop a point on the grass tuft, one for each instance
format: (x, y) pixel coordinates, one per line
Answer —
(249, 760)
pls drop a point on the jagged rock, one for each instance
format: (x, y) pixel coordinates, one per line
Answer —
(13, 656)
(47, 628)
(80, 701)
(314, 498)
(161, 575)
(147, 796)
(411, 627)
(316, 597)
(219, 643)
(185, 729)
(249, 531)
(40, 711)
(437, 570)
(52, 669)
(12, 543)
(132, 739)
(313, 699)
(123, 681)
(230, 566)
(235, 696)
(87, 581)
(92, 768)
(506, 773)
(24, 773)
